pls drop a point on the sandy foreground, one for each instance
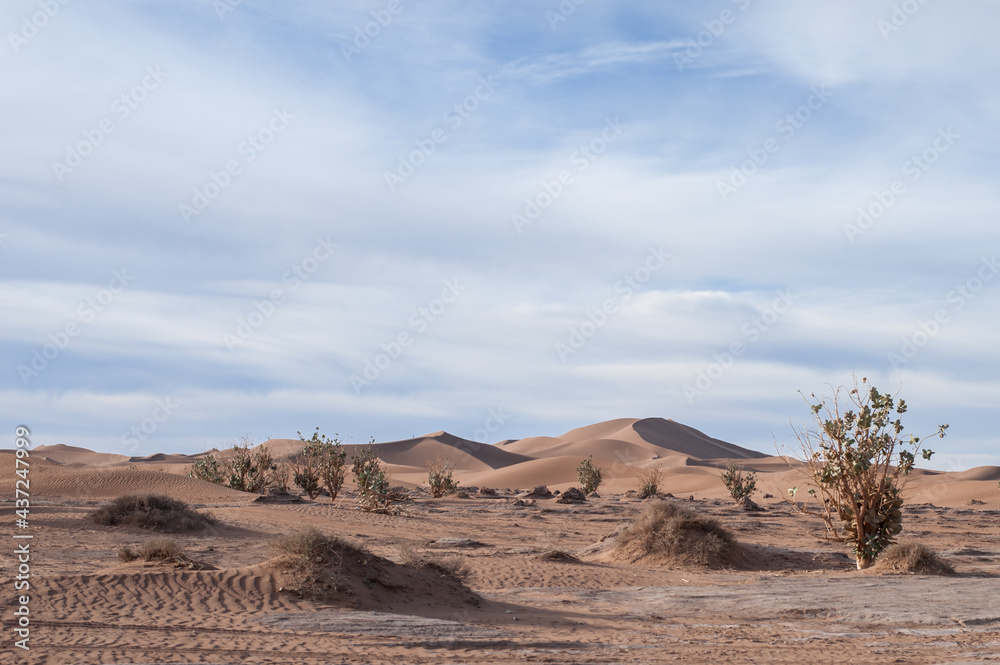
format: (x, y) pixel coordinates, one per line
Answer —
(799, 600)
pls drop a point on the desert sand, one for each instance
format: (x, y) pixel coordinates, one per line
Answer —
(535, 591)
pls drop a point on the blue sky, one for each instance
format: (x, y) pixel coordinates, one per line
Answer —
(220, 218)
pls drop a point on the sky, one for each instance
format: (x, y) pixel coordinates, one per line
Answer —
(388, 218)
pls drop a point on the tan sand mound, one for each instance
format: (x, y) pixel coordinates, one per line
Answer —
(668, 534)
(914, 558)
(632, 440)
(317, 566)
(467, 456)
(82, 483)
(61, 454)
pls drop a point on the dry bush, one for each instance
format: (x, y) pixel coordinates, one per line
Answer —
(669, 534)
(448, 566)
(439, 478)
(152, 511)
(649, 480)
(155, 549)
(312, 560)
(912, 557)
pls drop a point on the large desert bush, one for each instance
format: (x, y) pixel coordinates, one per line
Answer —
(590, 475)
(912, 557)
(439, 476)
(373, 483)
(151, 511)
(858, 461)
(669, 534)
(322, 463)
(247, 468)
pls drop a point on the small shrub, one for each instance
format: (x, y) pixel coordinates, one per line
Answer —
(447, 566)
(209, 468)
(649, 480)
(251, 469)
(439, 477)
(740, 483)
(281, 476)
(312, 560)
(156, 549)
(151, 511)
(667, 533)
(373, 483)
(912, 557)
(590, 475)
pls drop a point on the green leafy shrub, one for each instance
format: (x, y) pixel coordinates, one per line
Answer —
(740, 483)
(373, 483)
(590, 475)
(209, 468)
(858, 461)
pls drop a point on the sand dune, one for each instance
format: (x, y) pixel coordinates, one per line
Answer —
(629, 440)
(62, 454)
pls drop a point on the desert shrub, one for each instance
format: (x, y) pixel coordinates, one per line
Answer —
(858, 461)
(312, 559)
(667, 533)
(912, 557)
(439, 476)
(649, 480)
(281, 476)
(210, 469)
(373, 483)
(323, 463)
(247, 468)
(151, 511)
(590, 475)
(740, 483)
(305, 470)
(250, 469)
(445, 566)
(155, 549)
